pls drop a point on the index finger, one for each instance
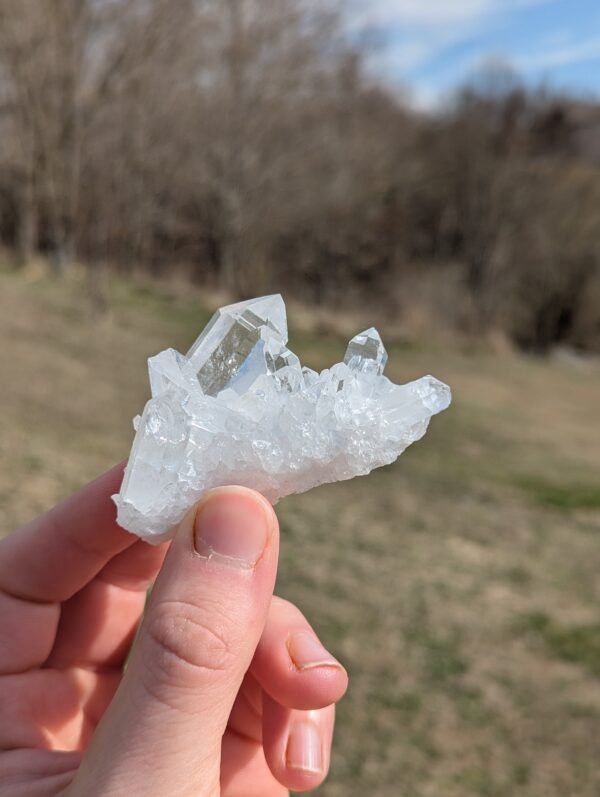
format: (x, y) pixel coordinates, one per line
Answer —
(58, 553)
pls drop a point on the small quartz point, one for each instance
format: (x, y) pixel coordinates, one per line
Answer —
(366, 353)
(239, 408)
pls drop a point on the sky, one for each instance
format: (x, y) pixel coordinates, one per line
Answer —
(431, 46)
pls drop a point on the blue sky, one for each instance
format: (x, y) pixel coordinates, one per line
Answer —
(432, 45)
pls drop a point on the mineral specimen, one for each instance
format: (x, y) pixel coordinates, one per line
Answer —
(240, 409)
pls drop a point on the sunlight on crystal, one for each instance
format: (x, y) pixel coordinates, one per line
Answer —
(240, 409)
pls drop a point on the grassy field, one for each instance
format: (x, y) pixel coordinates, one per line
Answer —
(461, 586)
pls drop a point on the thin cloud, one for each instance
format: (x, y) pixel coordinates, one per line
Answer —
(431, 13)
(571, 53)
(423, 13)
(418, 30)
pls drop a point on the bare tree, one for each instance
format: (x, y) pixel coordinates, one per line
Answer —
(42, 49)
(246, 141)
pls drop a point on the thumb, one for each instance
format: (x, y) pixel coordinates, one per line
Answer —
(162, 733)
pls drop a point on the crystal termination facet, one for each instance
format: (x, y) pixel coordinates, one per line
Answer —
(240, 409)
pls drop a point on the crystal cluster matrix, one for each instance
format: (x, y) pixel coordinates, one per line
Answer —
(240, 409)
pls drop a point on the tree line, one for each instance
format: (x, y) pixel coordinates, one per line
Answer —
(247, 142)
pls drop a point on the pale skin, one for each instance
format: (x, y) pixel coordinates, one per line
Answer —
(227, 689)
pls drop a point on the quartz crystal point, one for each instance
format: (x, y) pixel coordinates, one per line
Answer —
(240, 409)
(365, 353)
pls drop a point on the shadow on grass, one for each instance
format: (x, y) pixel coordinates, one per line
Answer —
(565, 496)
(579, 644)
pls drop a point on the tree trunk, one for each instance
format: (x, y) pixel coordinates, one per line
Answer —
(96, 289)
(28, 221)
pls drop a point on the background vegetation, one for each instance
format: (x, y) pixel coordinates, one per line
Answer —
(243, 142)
(160, 157)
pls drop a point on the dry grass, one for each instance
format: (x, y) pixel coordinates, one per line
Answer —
(460, 586)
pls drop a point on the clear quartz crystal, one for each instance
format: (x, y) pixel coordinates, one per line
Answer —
(240, 409)
(366, 353)
(230, 349)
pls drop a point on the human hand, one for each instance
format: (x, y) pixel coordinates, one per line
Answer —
(226, 691)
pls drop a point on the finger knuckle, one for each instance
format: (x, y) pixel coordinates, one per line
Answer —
(188, 645)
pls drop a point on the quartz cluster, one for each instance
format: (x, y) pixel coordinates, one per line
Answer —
(240, 409)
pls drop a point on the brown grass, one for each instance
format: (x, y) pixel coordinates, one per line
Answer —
(460, 586)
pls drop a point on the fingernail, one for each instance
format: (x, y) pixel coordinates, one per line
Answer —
(307, 652)
(305, 748)
(232, 527)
